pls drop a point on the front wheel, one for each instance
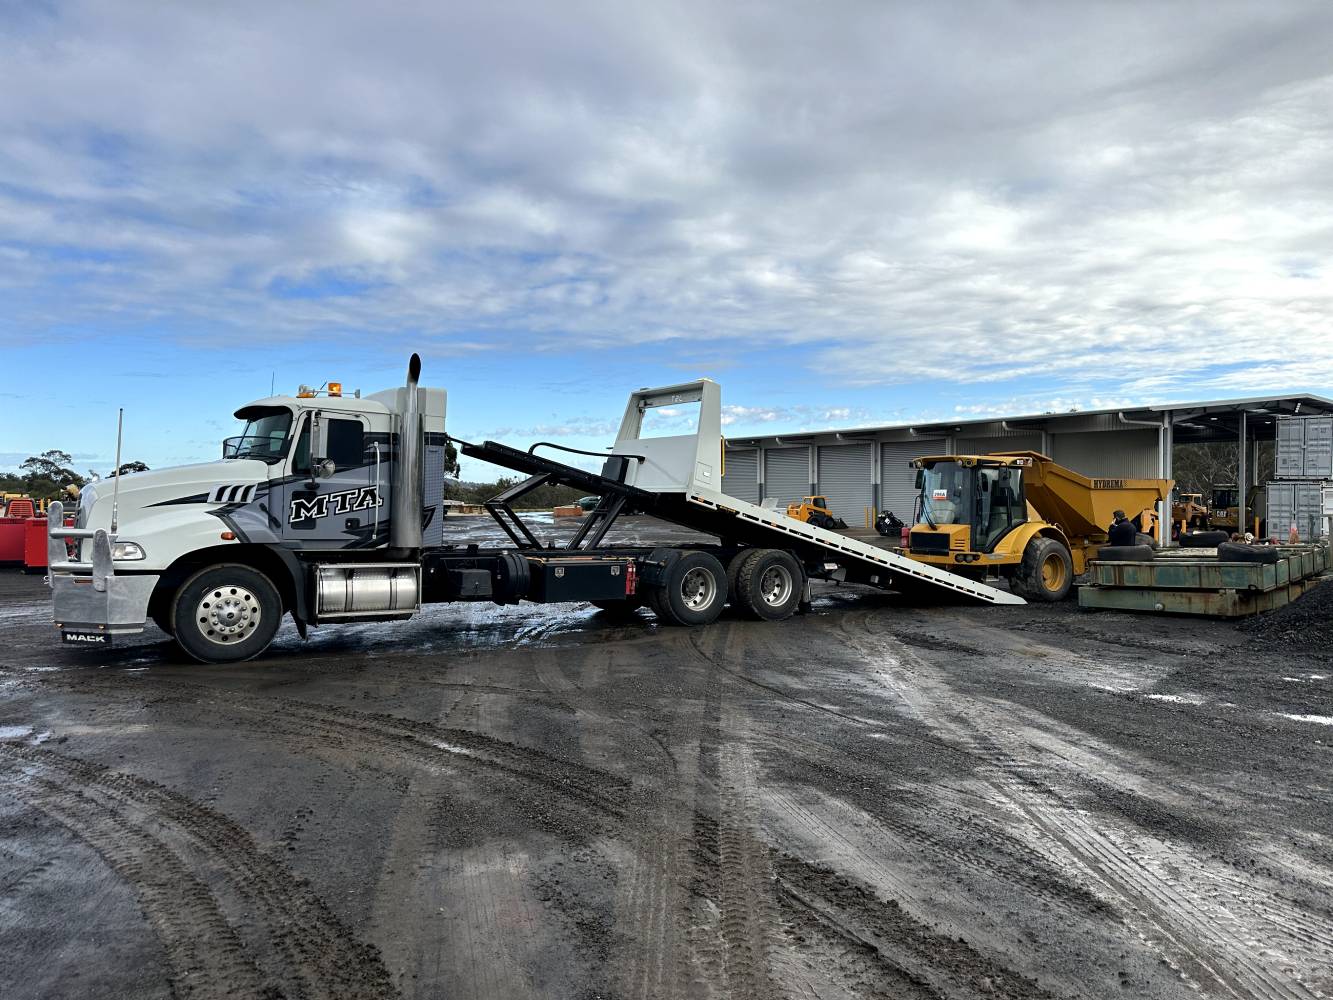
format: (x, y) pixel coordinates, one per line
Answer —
(1047, 571)
(225, 614)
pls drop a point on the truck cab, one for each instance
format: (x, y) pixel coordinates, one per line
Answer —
(313, 484)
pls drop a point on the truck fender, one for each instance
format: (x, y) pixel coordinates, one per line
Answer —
(653, 570)
(289, 575)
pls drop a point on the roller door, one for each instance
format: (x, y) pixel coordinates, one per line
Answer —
(786, 474)
(1027, 441)
(1127, 454)
(741, 479)
(846, 479)
(897, 479)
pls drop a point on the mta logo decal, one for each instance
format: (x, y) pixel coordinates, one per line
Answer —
(345, 502)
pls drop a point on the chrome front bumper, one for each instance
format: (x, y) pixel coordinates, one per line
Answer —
(89, 596)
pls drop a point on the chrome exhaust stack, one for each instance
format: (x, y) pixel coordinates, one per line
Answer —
(405, 512)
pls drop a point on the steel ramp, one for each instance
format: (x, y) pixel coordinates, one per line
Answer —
(751, 524)
(741, 522)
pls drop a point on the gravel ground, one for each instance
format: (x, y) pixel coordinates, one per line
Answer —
(867, 801)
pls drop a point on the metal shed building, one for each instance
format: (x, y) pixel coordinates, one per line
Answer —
(866, 468)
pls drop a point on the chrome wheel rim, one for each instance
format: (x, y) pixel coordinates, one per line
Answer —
(698, 589)
(775, 586)
(227, 614)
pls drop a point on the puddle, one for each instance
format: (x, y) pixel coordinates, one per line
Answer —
(1323, 720)
(15, 732)
(1178, 699)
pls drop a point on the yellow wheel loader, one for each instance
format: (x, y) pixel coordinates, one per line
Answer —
(1021, 516)
(815, 510)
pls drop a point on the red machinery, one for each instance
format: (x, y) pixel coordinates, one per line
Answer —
(34, 543)
(13, 529)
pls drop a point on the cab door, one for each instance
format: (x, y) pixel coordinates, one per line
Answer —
(336, 495)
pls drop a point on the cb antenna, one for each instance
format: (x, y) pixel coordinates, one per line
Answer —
(115, 490)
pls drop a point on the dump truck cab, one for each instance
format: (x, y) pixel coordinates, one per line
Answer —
(1021, 516)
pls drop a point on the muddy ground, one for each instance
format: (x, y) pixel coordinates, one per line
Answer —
(867, 801)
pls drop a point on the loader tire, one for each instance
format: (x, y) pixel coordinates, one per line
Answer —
(1047, 571)
(1125, 553)
(1235, 552)
(769, 586)
(1143, 538)
(692, 592)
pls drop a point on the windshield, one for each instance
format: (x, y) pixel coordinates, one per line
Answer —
(264, 437)
(988, 498)
(944, 494)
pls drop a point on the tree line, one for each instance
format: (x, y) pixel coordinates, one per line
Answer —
(49, 476)
(543, 497)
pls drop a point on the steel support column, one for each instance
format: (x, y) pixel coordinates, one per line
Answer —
(1242, 480)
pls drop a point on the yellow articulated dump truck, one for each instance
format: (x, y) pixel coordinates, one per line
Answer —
(1021, 516)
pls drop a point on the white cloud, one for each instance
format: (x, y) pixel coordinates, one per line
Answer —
(913, 195)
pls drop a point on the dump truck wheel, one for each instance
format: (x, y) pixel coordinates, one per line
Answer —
(228, 613)
(693, 591)
(769, 586)
(1047, 571)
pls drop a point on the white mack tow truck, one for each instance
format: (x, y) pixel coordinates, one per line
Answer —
(330, 508)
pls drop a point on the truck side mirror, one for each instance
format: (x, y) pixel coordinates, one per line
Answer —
(325, 469)
(317, 456)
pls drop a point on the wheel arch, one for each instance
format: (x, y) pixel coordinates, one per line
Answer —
(279, 565)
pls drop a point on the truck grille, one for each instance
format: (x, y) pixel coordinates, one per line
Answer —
(929, 541)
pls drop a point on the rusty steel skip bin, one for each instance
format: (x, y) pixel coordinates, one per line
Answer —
(1202, 586)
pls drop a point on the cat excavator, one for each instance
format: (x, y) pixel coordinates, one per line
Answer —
(1021, 516)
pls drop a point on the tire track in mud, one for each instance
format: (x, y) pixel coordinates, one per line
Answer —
(649, 898)
(285, 942)
(1203, 936)
(355, 734)
(1014, 861)
(886, 952)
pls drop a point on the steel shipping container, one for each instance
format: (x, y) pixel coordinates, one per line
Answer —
(1304, 448)
(1298, 503)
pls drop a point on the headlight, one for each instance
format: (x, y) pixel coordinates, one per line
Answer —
(124, 551)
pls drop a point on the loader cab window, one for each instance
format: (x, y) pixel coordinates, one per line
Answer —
(264, 437)
(945, 493)
(1000, 505)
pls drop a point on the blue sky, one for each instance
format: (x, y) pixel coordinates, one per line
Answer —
(846, 214)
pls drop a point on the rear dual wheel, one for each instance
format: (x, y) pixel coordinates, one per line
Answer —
(693, 591)
(768, 585)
